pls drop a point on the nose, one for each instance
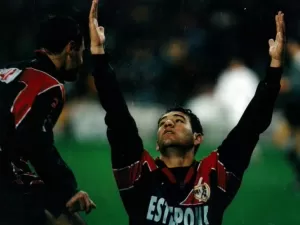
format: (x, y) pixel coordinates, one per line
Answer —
(169, 123)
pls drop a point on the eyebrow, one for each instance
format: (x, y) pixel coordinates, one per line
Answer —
(177, 115)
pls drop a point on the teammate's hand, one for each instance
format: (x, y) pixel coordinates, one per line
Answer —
(97, 35)
(276, 47)
(80, 202)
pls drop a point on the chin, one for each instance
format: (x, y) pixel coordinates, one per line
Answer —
(167, 142)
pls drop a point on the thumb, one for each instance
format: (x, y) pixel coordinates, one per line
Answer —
(71, 202)
(271, 42)
(101, 29)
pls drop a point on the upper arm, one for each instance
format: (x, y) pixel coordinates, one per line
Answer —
(34, 139)
(30, 114)
(130, 178)
(126, 144)
(212, 171)
(236, 150)
(127, 176)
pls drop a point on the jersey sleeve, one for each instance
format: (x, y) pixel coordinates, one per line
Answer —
(236, 150)
(129, 159)
(122, 132)
(32, 140)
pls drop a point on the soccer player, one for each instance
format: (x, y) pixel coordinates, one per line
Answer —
(175, 188)
(32, 98)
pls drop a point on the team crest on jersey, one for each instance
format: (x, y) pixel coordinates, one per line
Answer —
(199, 195)
(8, 75)
(202, 192)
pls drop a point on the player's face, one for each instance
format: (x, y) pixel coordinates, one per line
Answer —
(174, 130)
(74, 61)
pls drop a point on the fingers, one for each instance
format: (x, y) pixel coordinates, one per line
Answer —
(279, 37)
(81, 202)
(277, 23)
(94, 11)
(87, 203)
(280, 28)
(280, 25)
(71, 202)
(101, 29)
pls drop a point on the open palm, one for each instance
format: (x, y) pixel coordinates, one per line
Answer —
(276, 47)
(97, 35)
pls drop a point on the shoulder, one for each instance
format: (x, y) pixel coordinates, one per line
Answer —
(40, 82)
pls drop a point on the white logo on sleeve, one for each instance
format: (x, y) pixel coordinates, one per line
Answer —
(8, 75)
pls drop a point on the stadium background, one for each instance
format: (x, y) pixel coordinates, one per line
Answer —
(164, 52)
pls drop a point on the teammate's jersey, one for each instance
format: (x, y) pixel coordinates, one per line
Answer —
(153, 194)
(32, 98)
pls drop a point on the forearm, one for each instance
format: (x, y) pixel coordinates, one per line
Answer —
(236, 150)
(54, 171)
(109, 93)
(38, 148)
(257, 116)
(126, 144)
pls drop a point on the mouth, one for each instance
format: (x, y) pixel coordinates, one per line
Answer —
(168, 132)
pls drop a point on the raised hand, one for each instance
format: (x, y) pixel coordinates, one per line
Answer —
(97, 35)
(276, 47)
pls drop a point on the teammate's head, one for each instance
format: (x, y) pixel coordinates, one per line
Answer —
(61, 38)
(179, 128)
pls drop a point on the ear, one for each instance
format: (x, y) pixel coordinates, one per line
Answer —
(70, 47)
(198, 138)
(157, 147)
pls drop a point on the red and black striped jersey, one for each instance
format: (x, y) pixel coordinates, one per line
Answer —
(153, 194)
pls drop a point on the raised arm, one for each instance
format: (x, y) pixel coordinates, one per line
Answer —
(126, 144)
(236, 150)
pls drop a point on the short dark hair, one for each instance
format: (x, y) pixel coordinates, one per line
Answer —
(56, 32)
(195, 121)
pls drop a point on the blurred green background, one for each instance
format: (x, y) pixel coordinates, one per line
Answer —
(267, 195)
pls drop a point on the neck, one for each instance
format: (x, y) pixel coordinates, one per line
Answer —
(174, 159)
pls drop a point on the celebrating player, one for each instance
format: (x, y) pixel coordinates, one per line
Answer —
(32, 98)
(175, 188)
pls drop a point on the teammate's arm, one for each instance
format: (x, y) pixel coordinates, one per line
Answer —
(39, 149)
(236, 150)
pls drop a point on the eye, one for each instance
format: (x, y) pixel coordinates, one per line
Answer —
(161, 123)
(179, 120)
